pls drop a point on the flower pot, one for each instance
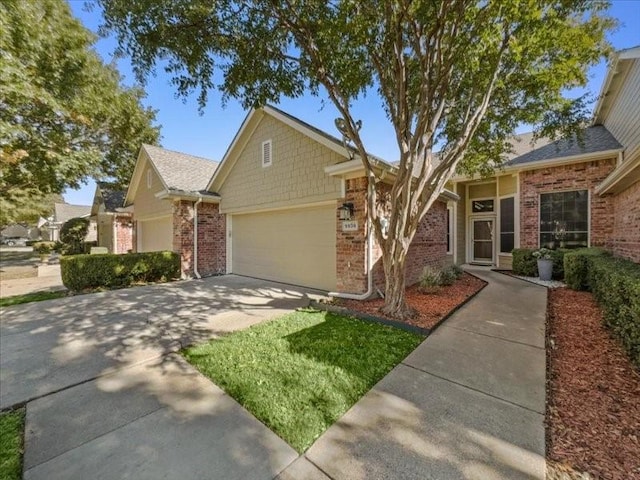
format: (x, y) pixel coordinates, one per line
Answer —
(545, 269)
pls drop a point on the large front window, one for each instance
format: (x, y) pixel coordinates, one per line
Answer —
(564, 219)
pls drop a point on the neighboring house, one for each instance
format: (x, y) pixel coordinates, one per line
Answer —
(570, 193)
(114, 223)
(167, 189)
(21, 231)
(63, 212)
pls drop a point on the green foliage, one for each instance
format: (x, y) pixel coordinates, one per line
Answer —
(615, 283)
(64, 115)
(432, 278)
(29, 298)
(80, 272)
(11, 440)
(72, 235)
(524, 263)
(43, 248)
(298, 374)
(23, 205)
(576, 267)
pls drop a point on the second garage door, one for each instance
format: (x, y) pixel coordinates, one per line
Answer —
(292, 246)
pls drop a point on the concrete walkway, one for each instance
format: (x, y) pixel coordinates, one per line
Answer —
(468, 403)
(48, 279)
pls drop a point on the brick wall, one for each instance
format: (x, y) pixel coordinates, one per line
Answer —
(211, 238)
(429, 246)
(123, 224)
(581, 176)
(626, 225)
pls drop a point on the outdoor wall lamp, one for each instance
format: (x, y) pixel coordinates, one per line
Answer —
(345, 212)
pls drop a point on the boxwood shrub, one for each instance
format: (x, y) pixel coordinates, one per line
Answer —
(576, 267)
(615, 283)
(80, 272)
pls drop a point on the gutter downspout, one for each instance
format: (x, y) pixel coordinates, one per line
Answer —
(369, 292)
(195, 236)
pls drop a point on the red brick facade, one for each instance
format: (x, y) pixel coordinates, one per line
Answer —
(429, 246)
(123, 230)
(626, 224)
(211, 238)
(580, 176)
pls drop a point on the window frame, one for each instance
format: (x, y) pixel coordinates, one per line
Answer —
(566, 190)
(450, 229)
(516, 217)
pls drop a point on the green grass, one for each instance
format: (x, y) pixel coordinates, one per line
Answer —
(11, 434)
(31, 297)
(298, 374)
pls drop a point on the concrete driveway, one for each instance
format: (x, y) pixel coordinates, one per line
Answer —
(108, 399)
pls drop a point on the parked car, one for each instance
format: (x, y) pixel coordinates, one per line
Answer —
(14, 241)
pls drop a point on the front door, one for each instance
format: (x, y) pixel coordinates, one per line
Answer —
(482, 241)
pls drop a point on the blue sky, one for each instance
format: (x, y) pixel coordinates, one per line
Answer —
(209, 134)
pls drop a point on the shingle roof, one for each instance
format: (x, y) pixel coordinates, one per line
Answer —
(112, 196)
(590, 140)
(180, 171)
(65, 211)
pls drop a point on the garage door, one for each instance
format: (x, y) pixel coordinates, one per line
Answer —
(291, 246)
(155, 235)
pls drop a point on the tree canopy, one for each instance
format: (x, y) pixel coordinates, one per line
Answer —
(458, 76)
(64, 114)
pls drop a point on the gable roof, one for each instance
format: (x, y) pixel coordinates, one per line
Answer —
(181, 171)
(616, 74)
(65, 211)
(112, 195)
(591, 140)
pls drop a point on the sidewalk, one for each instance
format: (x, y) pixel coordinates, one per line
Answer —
(48, 280)
(466, 404)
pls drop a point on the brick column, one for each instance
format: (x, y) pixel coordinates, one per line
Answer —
(212, 248)
(124, 228)
(183, 235)
(351, 246)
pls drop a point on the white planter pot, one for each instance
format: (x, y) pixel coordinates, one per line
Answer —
(545, 269)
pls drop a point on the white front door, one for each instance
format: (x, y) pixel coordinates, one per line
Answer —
(482, 246)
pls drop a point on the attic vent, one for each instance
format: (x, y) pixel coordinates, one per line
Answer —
(267, 160)
(149, 178)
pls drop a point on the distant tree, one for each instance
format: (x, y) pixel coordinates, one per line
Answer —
(26, 206)
(72, 235)
(457, 75)
(64, 115)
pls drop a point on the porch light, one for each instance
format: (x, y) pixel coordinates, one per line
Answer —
(345, 212)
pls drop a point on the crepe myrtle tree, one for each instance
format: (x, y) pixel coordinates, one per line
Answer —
(456, 76)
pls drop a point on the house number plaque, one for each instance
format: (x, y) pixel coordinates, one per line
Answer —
(350, 226)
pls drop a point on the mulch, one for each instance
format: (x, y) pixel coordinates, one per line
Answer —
(431, 307)
(593, 394)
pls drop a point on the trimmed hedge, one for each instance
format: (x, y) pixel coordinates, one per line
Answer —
(80, 272)
(525, 264)
(576, 267)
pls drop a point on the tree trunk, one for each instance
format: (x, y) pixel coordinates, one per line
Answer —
(395, 304)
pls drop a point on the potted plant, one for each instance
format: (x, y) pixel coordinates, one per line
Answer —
(545, 263)
(43, 250)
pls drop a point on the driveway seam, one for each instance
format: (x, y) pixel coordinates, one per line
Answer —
(96, 437)
(493, 336)
(317, 466)
(473, 389)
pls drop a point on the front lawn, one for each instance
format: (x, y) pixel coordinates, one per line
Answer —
(31, 297)
(11, 433)
(298, 374)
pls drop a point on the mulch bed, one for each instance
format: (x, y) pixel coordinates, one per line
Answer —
(431, 307)
(593, 394)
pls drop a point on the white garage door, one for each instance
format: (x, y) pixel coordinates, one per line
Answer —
(295, 246)
(155, 235)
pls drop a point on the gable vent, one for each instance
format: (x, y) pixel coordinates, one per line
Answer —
(267, 159)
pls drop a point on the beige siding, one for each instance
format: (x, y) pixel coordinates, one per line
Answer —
(461, 224)
(507, 185)
(295, 177)
(296, 246)
(155, 235)
(623, 120)
(105, 231)
(505, 262)
(484, 190)
(145, 204)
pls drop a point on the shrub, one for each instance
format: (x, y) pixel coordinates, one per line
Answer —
(430, 279)
(80, 272)
(576, 267)
(557, 257)
(43, 248)
(615, 283)
(72, 235)
(524, 263)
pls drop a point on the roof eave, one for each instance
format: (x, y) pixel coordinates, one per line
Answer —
(173, 194)
(627, 171)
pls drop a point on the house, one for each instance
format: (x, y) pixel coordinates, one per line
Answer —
(272, 209)
(114, 223)
(171, 206)
(63, 212)
(576, 192)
